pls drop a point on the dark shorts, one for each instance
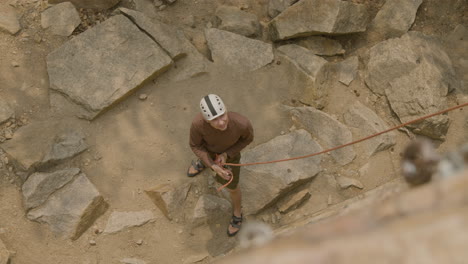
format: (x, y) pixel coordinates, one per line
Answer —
(235, 172)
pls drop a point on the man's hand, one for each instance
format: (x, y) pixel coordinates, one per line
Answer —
(221, 159)
(224, 173)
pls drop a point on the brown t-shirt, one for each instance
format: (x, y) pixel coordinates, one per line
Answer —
(206, 140)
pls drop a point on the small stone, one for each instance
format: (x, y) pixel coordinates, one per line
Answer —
(170, 1)
(5, 159)
(177, 220)
(181, 231)
(209, 25)
(282, 133)
(12, 181)
(15, 64)
(329, 201)
(8, 134)
(157, 3)
(10, 169)
(162, 7)
(139, 242)
(143, 96)
(2, 230)
(92, 242)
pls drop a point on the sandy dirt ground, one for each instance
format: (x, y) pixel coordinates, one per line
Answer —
(140, 143)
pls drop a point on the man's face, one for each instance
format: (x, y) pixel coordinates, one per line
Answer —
(220, 123)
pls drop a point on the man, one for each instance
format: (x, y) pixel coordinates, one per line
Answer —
(217, 137)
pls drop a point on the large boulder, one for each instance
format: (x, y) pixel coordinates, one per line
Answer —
(416, 75)
(329, 131)
(319, 17)
(265, 184)
(395, 17)
(8, 20)
(239, 52)
(70, 210)
(366, 122)
(61, 19)
(53, 142)
(232, 19)
(93, 4)
(104, 64)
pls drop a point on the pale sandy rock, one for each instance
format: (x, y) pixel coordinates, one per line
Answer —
(119, 221)
(309, 62)
(239, 52)
(132, 261)
(317, 17)
(61, 19)
(232, 19)
(347, 70)
(346, 182)
(4, 254)
(9, 20)
(6, 112)
(293, 201)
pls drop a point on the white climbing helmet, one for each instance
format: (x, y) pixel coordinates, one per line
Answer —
(211, 106)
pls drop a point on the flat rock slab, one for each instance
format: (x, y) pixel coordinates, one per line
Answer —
(243, 54)
(93, 4)
(304, 58)
(119, 221)
(8, 20)
(53, 142)
(264, 184)
(329, 131)
(61, 19)
(72, 209)
(39, 186)
(321, 45)
(318, 17)
(366, 122)
(6, 112)
(104, 64)
(232, 19)
(168, 199)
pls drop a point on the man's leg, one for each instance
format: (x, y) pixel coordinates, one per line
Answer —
(236, 199)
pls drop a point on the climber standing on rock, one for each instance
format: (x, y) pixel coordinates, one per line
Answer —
(217, 137)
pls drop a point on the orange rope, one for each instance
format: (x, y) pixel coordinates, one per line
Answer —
(354, 142)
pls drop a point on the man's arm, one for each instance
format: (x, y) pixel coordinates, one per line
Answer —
(196, 144)
(245, 139)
